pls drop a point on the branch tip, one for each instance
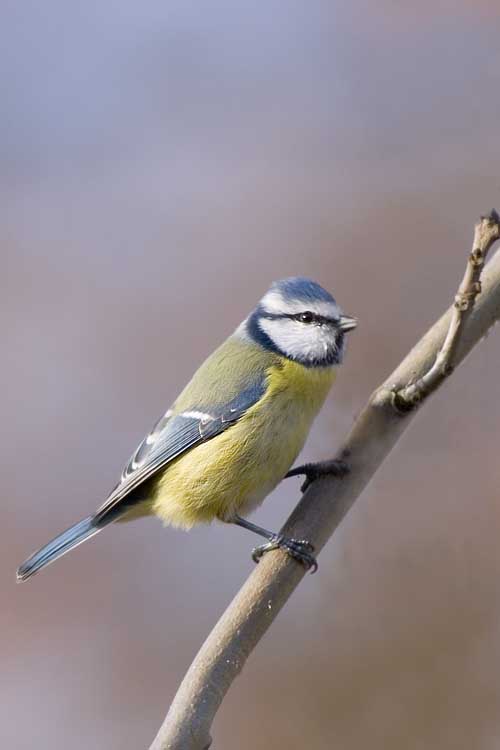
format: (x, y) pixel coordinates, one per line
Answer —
(493, 217)
(486, 233)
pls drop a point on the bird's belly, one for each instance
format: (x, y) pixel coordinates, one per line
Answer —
(234, 471)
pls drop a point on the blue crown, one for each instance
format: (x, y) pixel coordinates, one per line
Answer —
(301, 288)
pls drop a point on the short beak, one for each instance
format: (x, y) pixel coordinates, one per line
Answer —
(346, 323)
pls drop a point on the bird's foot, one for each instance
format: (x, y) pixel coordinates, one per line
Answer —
(299, 549)
(335, 467)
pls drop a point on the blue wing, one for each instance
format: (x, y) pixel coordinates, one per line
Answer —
(171, 436)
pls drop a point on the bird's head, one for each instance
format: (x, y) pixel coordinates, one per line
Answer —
(300, 320)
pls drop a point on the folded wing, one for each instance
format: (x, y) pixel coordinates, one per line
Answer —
(173, 435)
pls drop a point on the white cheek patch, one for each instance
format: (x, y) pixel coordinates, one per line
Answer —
(298, 340)
(274, 303)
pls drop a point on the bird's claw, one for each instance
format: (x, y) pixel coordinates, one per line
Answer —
(334, 467)
(299, 549)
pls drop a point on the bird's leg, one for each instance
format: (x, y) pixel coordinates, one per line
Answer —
(299, 549)
(335, 467)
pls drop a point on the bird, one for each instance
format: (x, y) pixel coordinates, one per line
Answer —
(236, 429)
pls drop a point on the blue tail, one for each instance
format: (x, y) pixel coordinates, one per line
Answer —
(70, 538)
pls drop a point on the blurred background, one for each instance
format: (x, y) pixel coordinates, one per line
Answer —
(162, 162)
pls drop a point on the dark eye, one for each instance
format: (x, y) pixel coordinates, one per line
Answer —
(306, 317)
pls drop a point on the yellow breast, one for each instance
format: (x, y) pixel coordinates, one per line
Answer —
(234, 471)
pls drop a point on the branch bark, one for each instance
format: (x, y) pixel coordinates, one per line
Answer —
(325, 503)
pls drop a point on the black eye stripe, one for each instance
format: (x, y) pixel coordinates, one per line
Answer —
(307, 316)
(310, 317)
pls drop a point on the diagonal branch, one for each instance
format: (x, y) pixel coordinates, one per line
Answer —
(325, 503)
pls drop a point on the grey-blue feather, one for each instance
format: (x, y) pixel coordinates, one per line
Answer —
(58, 547)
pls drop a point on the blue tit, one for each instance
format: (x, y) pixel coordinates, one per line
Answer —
(236, 428)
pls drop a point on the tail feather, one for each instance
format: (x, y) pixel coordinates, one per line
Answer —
(63, 543)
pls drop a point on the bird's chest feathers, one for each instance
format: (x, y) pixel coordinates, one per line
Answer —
(305, 388)
(295, 395)
(273, 432)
